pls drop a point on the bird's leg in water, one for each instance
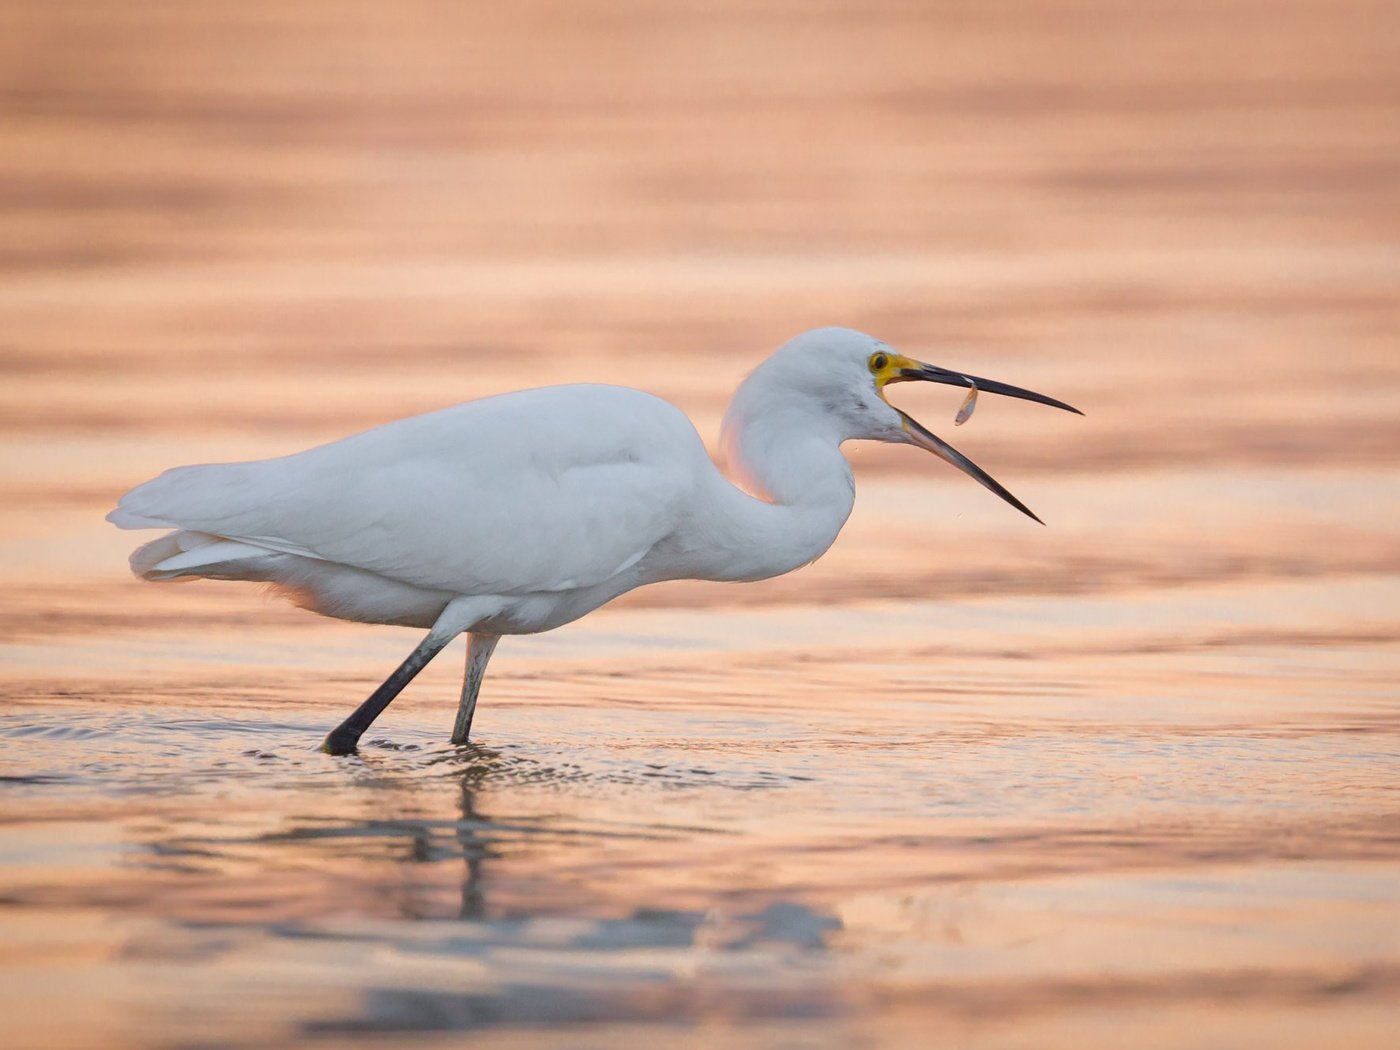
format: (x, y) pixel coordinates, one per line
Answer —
(344, 737)
(479, 649)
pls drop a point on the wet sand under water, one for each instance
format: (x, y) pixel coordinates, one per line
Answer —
(1131, 779)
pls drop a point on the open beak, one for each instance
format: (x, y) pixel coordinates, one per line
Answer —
(906, 370)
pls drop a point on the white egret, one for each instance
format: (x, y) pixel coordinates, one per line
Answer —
(518, 513)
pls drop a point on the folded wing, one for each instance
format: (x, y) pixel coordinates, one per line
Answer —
(541, 490)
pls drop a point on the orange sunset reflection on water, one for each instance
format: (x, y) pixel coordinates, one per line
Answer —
(1129, 779)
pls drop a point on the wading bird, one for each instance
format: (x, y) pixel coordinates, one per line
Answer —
(519, 513)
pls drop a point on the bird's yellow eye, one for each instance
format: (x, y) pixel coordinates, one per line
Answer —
(878, 362)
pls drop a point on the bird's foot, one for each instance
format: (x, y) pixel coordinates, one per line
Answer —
(340, 741)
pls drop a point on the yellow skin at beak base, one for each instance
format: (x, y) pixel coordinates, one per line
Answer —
(895, 364)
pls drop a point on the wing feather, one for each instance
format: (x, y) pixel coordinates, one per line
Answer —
(542, 490)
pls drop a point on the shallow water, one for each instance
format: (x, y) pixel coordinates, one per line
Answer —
(1167, 821)
(1131, 779)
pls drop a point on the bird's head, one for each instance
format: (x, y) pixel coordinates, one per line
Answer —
(841, 376)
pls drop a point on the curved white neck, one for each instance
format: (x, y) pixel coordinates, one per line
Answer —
(801, 486)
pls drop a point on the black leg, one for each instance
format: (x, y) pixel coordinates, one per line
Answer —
(343, 739)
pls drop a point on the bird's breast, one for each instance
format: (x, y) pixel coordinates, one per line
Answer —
(546, 610)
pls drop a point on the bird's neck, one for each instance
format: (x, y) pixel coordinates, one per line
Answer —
(795, 490)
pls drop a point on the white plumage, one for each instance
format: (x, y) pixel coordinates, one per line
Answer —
(537, 492)
(518, 513)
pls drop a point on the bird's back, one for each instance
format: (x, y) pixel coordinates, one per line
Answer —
(541, 490)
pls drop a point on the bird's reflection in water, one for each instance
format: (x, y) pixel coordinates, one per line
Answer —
(474, 851)
(483, 841)
(414, 807)
(496, 911)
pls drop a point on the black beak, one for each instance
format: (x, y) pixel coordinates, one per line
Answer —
(924, 438)
(934, 374)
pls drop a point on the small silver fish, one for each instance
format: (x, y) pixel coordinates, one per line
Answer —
(968, 406)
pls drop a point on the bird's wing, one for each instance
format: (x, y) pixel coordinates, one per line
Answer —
(543, 490)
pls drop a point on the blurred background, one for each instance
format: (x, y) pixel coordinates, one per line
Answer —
(231, 230)
(252, 217)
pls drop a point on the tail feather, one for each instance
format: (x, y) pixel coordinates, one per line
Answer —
(180, 554)
(146, 557)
